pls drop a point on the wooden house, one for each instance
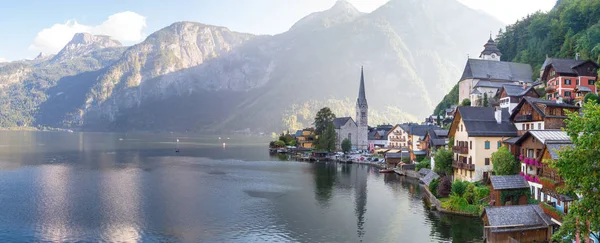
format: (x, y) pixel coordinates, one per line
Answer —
(538, 114)
(416, 136)
(523, 223)
(305, 138)
(392, 159)
(550, 180)
(509, 185)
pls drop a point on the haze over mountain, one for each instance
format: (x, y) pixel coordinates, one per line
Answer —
(196, 77)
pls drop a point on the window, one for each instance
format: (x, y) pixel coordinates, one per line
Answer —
(522, 126)
(487, 161)
(527, 126)
(499, 144)
(567, 82)
(539, 126)
(363, 114)
(530, 153)
(470, 160)
(487, 144)
(471, 174)
(567, 93)
(552, 73)
(577, 82)
(470, 144)
(591, 82)
(461, 127)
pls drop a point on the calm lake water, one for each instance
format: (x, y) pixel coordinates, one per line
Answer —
(96, 187)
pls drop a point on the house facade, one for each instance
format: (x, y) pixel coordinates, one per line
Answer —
(434, 139)
(507, 184)
(569, 79)
(398, 136)
(510, 95)
(377, 136)
(538, 114)
(345, 127)
(477, 132)
(416, 136)
(305, 138)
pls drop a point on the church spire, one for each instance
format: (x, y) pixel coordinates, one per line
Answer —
(362, 98)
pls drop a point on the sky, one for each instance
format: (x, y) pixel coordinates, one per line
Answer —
(29, 27)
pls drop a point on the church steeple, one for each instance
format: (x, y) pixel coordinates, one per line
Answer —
(491, 51)
(362, 98)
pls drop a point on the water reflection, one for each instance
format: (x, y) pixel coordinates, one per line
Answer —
(93, 187)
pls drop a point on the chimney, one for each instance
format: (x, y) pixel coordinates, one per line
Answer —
(498, 115)
(577, 56)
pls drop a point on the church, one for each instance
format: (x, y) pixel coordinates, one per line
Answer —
(355, 131)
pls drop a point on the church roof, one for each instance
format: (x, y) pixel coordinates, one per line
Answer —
(497, 70)
(362, 98)
(340, 121)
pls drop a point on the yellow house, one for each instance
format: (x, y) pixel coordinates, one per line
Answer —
(478, 132)
(306, 138)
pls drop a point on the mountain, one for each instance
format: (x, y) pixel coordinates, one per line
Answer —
(24, 84)
(196, 77)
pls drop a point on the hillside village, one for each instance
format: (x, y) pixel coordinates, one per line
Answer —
(502, 114)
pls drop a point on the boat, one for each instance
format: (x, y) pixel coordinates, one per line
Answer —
(386, 171)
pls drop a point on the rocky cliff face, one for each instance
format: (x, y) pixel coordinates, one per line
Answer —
(84, 44)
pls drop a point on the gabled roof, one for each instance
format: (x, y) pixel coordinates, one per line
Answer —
(298, 133)
(545, 136)
(441, 132)
(553, 147)
(567, 66)
(497, 70)
(340, 121)
(431, 175)
(517, 90)
(533, 101)
(584, 89)
(481, 122)
(439, 141)
(522, 217)
(424, 171)
(511, 140)
(492, 84)
(508, 182)
(421, 130)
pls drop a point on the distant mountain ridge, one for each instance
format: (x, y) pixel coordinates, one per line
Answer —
(196, 77)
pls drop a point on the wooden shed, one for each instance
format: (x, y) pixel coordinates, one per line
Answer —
(523, 223)
(510, 185)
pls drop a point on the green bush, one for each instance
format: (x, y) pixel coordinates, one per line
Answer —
(279, 143)
(470, 193)
(481, 193)
(459, 187)
(425, 163)
(456, 203)
(433, 186)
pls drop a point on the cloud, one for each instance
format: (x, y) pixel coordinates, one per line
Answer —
(127, 27)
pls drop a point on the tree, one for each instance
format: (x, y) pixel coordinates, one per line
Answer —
(465, 102)
(459, 187)
(279, 143)
(591, 96)
(485, 100)
(579, 167)
(346, 145)
(504, 162)
(326, 141)
(425, 163)
(438, 120)
(444, 187)
(322, 120)
(443, 161)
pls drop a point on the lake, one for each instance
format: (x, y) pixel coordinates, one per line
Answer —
(57, 186)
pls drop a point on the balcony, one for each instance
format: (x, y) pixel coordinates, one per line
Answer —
(552, 211)
(550, 89)
(460, 149)
(464, 166)
(395, 139)
(523, 118)
(549, 184)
